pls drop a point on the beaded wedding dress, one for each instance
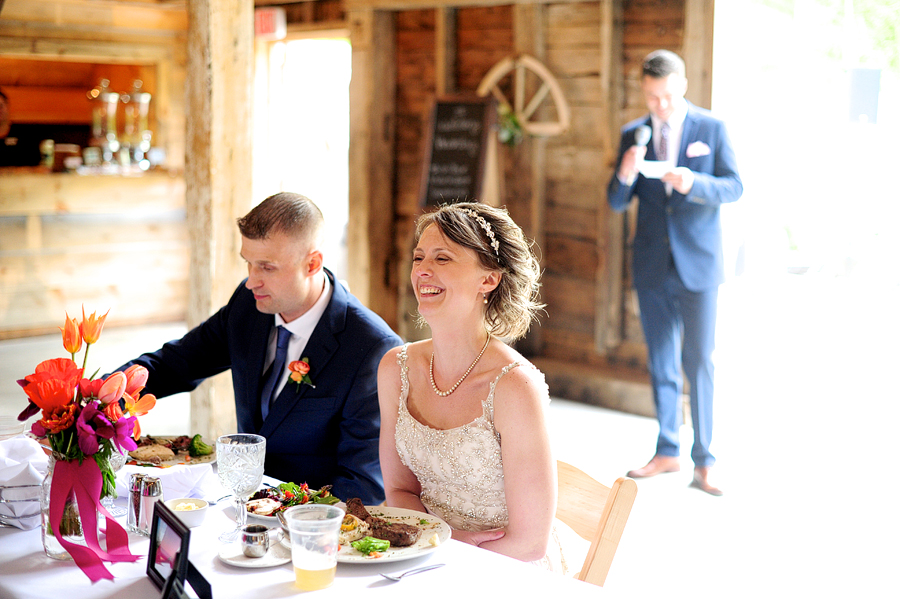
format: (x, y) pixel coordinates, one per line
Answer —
(460, 470)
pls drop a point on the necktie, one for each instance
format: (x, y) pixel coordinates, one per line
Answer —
(664, 142)
(281, 349)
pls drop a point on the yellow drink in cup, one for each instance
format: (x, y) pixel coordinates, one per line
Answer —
(313, 580)
(314, 544)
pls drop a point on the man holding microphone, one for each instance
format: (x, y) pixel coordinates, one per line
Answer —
(681, 173)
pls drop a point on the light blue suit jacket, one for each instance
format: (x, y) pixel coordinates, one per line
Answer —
(687, 226)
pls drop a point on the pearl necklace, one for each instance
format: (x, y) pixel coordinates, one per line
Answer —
(465, 374)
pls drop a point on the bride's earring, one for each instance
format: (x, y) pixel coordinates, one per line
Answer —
(485, 297)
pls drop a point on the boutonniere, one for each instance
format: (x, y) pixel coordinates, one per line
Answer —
(300, 372)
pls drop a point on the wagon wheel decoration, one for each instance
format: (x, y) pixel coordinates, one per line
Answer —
(520, 113)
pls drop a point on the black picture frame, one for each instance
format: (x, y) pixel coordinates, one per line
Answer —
(169, 542)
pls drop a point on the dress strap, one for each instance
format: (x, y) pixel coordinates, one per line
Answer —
(489, 402)
(404, 374)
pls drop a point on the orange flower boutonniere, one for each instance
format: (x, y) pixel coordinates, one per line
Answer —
(300, 372)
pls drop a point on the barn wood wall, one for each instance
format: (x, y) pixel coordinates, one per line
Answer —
(575, 248)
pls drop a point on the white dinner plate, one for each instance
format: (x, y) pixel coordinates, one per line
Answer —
(433, 525)
(277, 555)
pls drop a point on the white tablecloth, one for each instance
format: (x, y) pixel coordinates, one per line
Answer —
(26, 573)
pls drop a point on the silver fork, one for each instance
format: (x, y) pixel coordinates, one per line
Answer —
(396, 577)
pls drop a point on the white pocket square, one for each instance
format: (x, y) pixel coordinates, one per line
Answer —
(696, 149)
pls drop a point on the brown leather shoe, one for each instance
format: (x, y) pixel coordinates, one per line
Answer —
(701, 481)
(658, 465)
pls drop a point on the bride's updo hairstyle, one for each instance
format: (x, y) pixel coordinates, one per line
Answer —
(500, 245)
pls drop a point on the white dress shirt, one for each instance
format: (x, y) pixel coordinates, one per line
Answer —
(301, 330)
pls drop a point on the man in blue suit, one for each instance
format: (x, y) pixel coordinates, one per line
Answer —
(677, 263)
(290, 308)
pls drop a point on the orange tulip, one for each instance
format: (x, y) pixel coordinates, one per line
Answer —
(92, 326)
(71, 334)
(138, 406)
(113, 388)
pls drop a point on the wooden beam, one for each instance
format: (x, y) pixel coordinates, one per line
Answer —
(445, 51)
(420, 4)
(697, 50)
(372, 100)
(609, 290)
(218, 175)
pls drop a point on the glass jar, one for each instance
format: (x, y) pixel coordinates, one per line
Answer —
(70, 525)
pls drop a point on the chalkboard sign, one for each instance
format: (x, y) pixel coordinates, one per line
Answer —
(456, 150)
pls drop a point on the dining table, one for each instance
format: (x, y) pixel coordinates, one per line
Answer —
(27, 573)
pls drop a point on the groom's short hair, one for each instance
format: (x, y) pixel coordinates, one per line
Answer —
(290, 213)
(659, 64)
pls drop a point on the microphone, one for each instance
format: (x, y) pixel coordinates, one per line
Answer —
(642, 135)
(641, 138)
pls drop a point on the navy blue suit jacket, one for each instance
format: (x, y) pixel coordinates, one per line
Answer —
(688, 226)
(322, 435)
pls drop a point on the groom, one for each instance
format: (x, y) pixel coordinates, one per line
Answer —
(320, 431)
(677, 263)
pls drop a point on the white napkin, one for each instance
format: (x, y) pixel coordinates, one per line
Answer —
(196, 480)
(22, 462)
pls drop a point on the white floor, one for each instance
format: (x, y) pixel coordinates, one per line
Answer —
(804, 441)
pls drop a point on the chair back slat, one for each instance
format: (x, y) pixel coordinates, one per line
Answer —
(597, 513)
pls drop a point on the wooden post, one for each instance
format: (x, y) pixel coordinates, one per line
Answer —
(529, 181)
(370, 239)
(445, 51)
(697, 50)
(609, 317)
(218, 176)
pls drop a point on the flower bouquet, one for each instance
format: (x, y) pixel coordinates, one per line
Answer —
(83, 421)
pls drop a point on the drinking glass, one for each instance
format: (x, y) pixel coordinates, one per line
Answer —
(240, 460)
(116, 461)
(314, 532)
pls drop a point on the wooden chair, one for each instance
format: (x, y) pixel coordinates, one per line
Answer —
(597, 513)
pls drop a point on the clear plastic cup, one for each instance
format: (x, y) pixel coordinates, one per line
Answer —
(314, 532)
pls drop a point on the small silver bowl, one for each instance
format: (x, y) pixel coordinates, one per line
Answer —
(255, 540)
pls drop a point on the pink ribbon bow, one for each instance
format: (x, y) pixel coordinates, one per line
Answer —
(85, 481)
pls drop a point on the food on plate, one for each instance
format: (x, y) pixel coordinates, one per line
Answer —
(153, 454)
(169, 451)
(263, 507)
(371, 546)
(435, 540)
(198, 448)
(287, 495)
(352, 529)
(398, 533)
(186, 507)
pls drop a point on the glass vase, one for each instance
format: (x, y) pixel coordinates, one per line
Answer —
(70, 526)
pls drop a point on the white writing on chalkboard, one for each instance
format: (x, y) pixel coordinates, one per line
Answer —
(469, 146)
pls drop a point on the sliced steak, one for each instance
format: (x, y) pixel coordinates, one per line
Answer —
(396, 533)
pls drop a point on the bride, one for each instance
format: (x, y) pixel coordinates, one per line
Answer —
(463, 432)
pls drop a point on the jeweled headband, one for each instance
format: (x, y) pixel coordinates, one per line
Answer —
(487, 229)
